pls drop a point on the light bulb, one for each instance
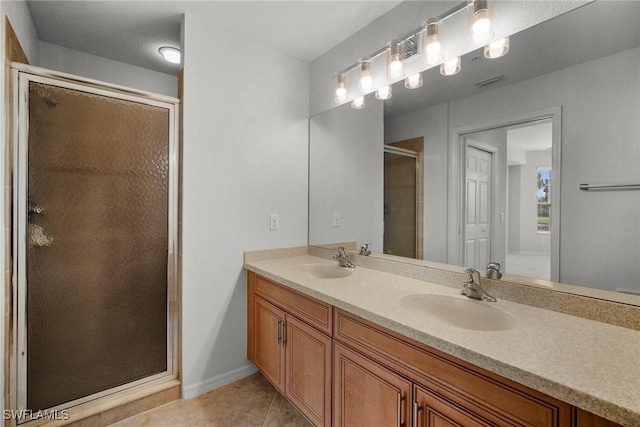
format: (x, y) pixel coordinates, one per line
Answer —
(395, 59)
(432, 41)
(364, 75)
(497, 48)
(413, 82)
(358, 103)
(395, 69)
(450, 67)
(479, 21)
(341, 87)
(384, 92)
(434, 48)
(366, 84)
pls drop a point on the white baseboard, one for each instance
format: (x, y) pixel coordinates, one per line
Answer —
(194, 390)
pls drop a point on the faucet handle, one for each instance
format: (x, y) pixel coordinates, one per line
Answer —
(364, 249)
(493, 270)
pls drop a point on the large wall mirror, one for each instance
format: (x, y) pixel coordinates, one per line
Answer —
(487, 165)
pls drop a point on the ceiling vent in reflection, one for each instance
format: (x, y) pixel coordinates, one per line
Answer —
(492, 81)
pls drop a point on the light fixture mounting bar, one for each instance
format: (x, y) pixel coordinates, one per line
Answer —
(412, 34)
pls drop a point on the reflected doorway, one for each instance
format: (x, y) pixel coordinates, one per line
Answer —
(507, 198)
(403, 198)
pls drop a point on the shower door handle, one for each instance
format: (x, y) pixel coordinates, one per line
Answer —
(34, 208)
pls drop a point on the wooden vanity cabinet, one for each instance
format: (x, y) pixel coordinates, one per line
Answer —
(381, 378)
(449, 390)
(432, 410)
(367, 394)
(292, 352)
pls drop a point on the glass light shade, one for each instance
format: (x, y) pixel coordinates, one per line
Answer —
(450, 67)
(497, 48)
(432, 41)
(414, 81)
(358, 103)
(395, 60)
(364, 75)
(341, 87)
(480, 28)
(384, 92)
(171, 54)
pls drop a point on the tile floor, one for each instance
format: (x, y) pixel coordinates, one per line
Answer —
(250, 402)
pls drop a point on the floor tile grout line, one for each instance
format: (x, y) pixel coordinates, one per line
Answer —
(266, 416)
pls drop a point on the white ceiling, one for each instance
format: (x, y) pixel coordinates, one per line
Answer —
(132, 31)
(536, 137)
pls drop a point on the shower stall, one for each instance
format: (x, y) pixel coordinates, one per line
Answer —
(94, 293)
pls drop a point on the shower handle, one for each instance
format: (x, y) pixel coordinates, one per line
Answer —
(34, 208)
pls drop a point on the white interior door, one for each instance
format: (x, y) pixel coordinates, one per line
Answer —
(477, 237)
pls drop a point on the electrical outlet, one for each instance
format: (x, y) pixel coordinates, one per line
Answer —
(274, 222)
(337, 220)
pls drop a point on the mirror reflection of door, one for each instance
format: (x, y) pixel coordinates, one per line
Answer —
(403, 203)
(477, 247)
(507, 198)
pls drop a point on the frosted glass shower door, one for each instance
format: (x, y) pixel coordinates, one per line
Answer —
(97, 246)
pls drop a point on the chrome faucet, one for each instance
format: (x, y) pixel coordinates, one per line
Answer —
(343, 258)
(364, 249)
(473, 289)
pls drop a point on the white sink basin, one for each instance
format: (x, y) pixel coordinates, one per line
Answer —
(461, 312)
(323, 271)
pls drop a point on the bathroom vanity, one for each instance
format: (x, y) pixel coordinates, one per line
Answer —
(352, 347)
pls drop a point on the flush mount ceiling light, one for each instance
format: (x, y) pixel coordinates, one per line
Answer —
(170, 54)
(497, 48)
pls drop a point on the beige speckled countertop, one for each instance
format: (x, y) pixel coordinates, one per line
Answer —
(592, 365)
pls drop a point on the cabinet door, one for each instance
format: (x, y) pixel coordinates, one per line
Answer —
(308, 367)
(269, 342)
(431, 410)
(366, 394)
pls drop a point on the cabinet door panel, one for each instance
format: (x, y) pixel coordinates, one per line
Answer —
(366, 394)
(268, 335)
(308, 378)
(433, 411)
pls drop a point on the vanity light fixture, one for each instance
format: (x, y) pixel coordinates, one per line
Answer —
(432, 41)
(414, 81)
(364, 75)
(497, 48)
(384, 93)
(341, 87)
(395, 59)
(426, 41)
(450, 67)
(358, 103)
(479, 14)
(170, 54)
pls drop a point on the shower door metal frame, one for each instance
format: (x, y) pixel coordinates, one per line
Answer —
(22, 75)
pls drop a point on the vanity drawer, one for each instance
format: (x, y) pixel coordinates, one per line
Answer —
(496, 399)
(316, 313)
